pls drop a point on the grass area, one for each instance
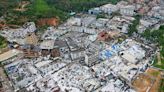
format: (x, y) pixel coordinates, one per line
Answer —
(157, 65)
(41, 7)
(155, 74)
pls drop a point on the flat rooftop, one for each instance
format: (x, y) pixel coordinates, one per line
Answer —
(9, 54)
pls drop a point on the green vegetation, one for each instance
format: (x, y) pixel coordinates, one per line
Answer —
(155, 73)
(157, 36)
(133, 26)
(42, 29)
(161, 88)
(41, 9)
(45, 9)
(115, 14)
(102, 15)
(78, 5)
(6, 9)
(3, 42)
(5, 72)
(6, 5)
(35, 10)
(157, 65)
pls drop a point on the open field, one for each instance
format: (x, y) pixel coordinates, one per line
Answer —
(149, 81)
(142, 82)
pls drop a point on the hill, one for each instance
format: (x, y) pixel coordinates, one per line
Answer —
(17, 12)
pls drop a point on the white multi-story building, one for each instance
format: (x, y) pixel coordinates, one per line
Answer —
(127, 10)
(86, 21)
(77, 54)
(157, 12)
(29, 27)
(83, 29)
(18, 35)
(48, 67)
(109, 8)
(74, 21)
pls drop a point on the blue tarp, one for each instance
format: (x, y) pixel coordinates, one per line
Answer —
(10, 69)
(114, 47)
(108, 53)
(105, 54)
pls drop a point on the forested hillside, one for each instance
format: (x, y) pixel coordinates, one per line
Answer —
(17, 12)
(78, 5)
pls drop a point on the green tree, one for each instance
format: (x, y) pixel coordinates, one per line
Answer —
(133, 26)
(3, 42)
